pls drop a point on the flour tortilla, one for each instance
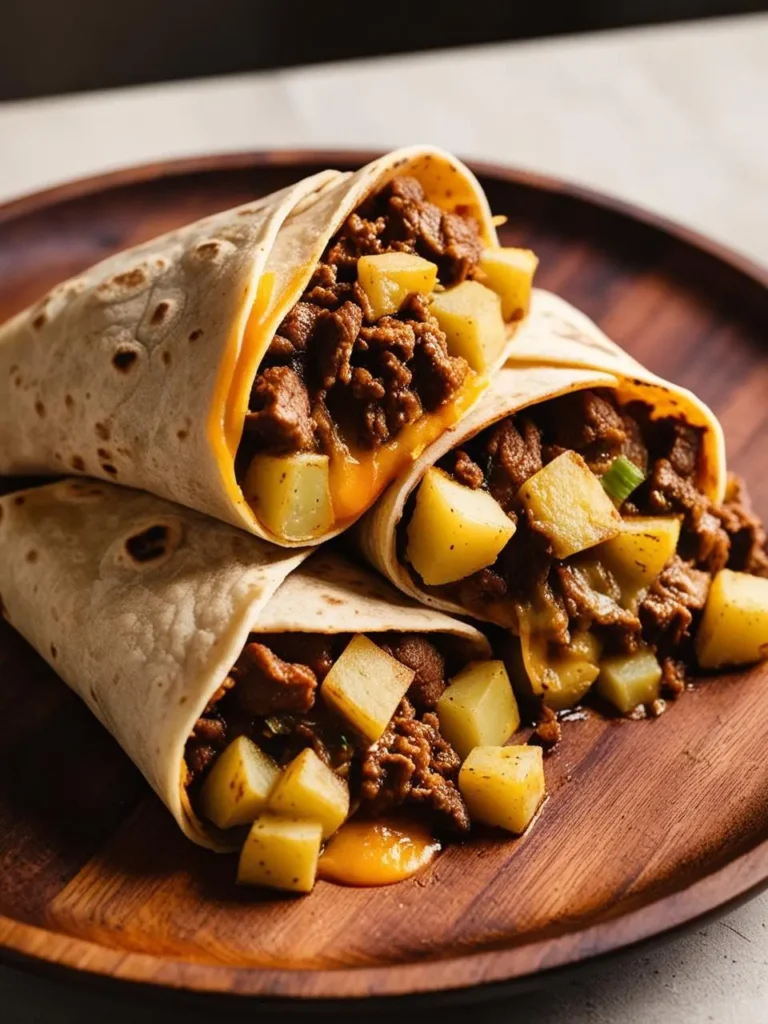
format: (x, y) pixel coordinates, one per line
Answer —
(147, 644)
(580, 356)
(139, 370)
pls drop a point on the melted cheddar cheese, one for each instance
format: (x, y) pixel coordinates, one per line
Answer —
(366, 853)
(358, 477)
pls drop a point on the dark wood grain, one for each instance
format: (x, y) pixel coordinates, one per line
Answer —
(649, 825)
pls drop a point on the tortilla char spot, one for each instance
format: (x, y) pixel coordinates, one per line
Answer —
(39, 321)
(166, 357)
(104, 454)
(109, 468)
(32, 556)
(77, 462)
(333, 600)
(194, 335)
(17, 382)
(75, 288)
(54, 651)
(208, 250)
(102, 431)
(161, 309)
(12, 369)
(130, 278)
(58, 456)
(124, 359)
(40, 409)
(182, 434)
(19, 499)
(148, 545)
(69, 402)
(82, 490)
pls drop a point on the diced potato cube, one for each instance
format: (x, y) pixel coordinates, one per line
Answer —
(365, 686)
(509, 272)
(470, 316)
(734, 627)
(238, 785)
(584, 646)
(629, 680)
(281, 853)
(574, 681)
(390, 278)
(478, 708)
(642, 548)
(569, 505)
(291, 494)
(454, 530)
(503, 786)
(561, 675)
(308, 788)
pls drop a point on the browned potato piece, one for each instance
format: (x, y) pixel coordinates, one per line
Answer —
(238, 785)
(389, 278)
(365, 686)
(627, 680)
(569, 505)
(478, 708)
(734, 628)
(281, 853)
(470, 315)
(509, 272)
(291, 494)
(308, 788)
(454, 530)
(503, 786)
(561, 675)
(642, 548)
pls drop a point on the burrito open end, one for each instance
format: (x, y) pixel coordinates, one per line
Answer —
(590, 515)
(297, 709)
(276, 365)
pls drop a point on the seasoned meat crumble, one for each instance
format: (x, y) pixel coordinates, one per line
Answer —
(272, 696)
(333, 369)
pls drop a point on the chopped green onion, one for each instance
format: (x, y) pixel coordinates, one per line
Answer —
(621, 478)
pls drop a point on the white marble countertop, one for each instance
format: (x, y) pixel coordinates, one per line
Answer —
(672, 118)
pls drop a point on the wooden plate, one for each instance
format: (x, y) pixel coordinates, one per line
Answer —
(650, 825)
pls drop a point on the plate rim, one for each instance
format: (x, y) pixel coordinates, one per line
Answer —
(487, 970)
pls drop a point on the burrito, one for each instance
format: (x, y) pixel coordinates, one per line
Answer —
(266, 696)
(585, 508)
(276, 365)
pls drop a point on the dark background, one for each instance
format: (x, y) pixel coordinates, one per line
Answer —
(54, 46)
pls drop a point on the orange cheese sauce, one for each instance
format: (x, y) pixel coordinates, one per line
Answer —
(367, 853)
(224, 426)
(358, 478)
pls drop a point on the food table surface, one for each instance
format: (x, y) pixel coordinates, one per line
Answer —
(670, 118)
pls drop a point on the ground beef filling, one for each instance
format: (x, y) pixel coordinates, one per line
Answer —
(578, 594)
(272, 696)
(330, 368)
